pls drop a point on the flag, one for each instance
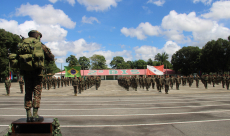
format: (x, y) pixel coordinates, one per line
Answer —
(155, 70)
(11, 76)
(72, 71)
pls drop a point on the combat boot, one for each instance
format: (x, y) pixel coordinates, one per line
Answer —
(29, 115)
(36, 117)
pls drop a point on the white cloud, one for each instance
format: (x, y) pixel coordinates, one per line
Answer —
(202, 30)
(71, 2)
(142, 31)
(217, 31)
(61, 60)
(53, 1)
(89, 20)
(45, 15)
(98, 5)
(49, 32)
(145, 52)
(184, 22)
(157, 2)
(219, 10)
(206, 2)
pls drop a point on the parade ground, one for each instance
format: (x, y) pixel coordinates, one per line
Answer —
(113, 111)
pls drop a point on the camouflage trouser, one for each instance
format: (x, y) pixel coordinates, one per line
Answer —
(61, 84)
(197, 84)
(177, 86)
(227, 85)
(223, 83)
(171, 85)
(21, 88)
(32, 89)
(44, 85)
(153, 85)
(58, 85)
(7, 90)
(75, 89)
(166, 88)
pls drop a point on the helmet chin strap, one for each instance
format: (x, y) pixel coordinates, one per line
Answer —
(39, 37)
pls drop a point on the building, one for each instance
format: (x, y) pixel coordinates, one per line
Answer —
(114, 74)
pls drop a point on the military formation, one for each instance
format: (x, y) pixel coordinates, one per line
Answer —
(166, 82)
(79, 83)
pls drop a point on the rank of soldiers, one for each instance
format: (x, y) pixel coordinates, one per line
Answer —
(166, 81)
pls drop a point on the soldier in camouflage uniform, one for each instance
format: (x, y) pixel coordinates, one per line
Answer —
(62, 81)
(7, 86)
(166, 80)
(58, 82)
(148, 82)
(223, 80)
(197, 78)
(33, 81)
(153, 81)
(75, 83)
(171, 82)
(178, 81)
(206, 81)
(227, 81)
(44, 82)
(21, 84)
(213, 80)
(55, 82)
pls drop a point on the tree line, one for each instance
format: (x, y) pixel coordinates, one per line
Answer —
(213, 58)
(118, 62)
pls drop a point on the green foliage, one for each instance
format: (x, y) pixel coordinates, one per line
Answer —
(187, 60)
(140, 64)
(216, 56)
(130, 64)
(118, 63)
(150, 62)
(72, 60)
(84, 62)
(98, 62)
(8, 44)
(51, 67)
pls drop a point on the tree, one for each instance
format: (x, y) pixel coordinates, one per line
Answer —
(130, 64)
(117, 62)
(98, 62)
(72, 60)
(187, 60)
(150, 62)
(84, 62)
(51, 67)
(162, 58)
(215, 56)
(140, 64)
(8, 44)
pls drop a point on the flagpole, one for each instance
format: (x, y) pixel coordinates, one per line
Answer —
(61, 70)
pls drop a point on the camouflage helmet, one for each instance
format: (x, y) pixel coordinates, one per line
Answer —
(34, 31)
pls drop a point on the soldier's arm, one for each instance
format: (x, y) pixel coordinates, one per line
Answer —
(48, 55)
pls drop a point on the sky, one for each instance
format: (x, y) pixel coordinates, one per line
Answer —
(133, 29)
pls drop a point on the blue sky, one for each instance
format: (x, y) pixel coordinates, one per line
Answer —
(134, 29)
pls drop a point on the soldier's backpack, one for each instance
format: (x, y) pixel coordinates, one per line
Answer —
(30, 55)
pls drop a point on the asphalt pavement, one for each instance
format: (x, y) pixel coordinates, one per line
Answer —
(113, 111)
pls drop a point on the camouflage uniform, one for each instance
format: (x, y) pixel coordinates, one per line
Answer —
(7, 86)
(166, 80)
(58, 82)
(33, 79)
(21, 84)
(75, 83)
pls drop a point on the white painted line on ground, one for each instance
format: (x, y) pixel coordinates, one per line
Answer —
(120, 115)
(152, 124)
(122, 108)
(127, 103)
